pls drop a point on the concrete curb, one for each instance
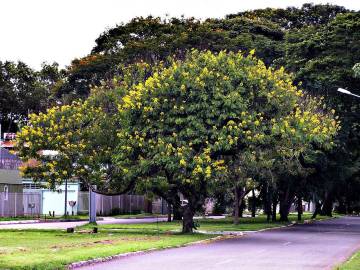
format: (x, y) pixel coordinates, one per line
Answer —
(135, 253)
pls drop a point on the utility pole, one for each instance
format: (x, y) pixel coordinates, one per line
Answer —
(92, 204)
(66, 185)
(0, 142)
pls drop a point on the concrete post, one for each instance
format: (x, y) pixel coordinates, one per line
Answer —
(15, 204)
(92, 205)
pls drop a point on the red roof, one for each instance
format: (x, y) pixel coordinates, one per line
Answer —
(7, 144)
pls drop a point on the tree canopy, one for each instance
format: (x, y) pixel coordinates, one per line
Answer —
(182, 106)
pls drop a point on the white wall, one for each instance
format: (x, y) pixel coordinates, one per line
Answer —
(55, 201)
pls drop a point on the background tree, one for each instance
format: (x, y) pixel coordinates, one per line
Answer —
(24, 91)
(153, 40)
(322, 58)
(356, 70)
(295, 18)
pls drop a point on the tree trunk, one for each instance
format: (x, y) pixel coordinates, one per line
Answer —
(299, 208)
(274, 205)
(267, 204)
(286, 201)
(148, 206)
(349, 209)
(253, 206)
(327, 206)
(284, 213)
(317, 209)
(239, 196)
(268, 212)
(341, 209)
(176, 207)
(168, 212)
(10, 124)
(241, 208)
(236, 205)
(177, 213)
(285, 206)
(188, 220)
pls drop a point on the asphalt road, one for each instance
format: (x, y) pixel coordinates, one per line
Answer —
(321, 245)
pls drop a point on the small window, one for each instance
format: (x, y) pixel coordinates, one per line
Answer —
(6, 193)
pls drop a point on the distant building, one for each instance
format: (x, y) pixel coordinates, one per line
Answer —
(53, 201)
(11, 192)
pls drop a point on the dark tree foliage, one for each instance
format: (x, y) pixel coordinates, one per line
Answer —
(152, 40)
(23, 90)
(296, 18)
(322, 58)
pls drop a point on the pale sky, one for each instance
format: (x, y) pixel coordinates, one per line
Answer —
(35, 31)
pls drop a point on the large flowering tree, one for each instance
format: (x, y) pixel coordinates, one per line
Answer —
(182, 127)
(188, 122)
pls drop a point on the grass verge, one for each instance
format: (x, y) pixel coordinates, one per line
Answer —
(207, 224)
(45, 249)
(352, 264)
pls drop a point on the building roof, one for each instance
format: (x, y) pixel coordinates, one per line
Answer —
(9, 161)
(11, 177)
(7, 144)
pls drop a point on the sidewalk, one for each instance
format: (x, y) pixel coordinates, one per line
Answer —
(62, 225)
(24, 221)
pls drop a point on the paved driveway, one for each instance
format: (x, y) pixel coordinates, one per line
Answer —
(308, 247)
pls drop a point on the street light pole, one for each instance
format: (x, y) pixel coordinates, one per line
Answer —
(347, 92)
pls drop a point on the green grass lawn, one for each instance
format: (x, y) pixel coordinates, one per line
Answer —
(41, 249)
(352, 264)
(247, 224)
(16, 218)
(207, 224)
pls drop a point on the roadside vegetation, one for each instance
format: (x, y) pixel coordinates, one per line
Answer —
(208, 224)
(352, 264)
(54, 249)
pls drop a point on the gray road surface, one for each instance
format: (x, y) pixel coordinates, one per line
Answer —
(317, 246)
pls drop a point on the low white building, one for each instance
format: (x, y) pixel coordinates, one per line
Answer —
(53, 201)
